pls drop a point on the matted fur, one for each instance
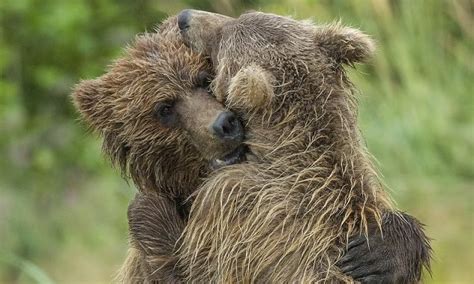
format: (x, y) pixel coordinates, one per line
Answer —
(167, 163)
(285, 215)
(119, 106)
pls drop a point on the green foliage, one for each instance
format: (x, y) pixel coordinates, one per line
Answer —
(62, 207)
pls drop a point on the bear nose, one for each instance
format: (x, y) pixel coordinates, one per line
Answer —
(227, 127)
(183, 20)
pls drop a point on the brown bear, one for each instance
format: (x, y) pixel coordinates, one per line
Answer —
(162, 127)
(287, 213)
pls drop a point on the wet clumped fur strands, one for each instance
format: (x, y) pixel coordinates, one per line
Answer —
(283, 216)
(287, 213)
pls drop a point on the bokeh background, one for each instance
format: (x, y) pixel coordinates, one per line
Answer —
(63, 208)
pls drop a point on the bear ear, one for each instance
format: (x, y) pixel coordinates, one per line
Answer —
(344, 44)
(86, 96)
(250, 89)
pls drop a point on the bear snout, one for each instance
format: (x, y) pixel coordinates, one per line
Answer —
(183, 20)
(199, 28)
(228, 128)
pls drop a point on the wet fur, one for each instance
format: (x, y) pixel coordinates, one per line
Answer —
(288, 213)
(165, 165)
(119, 106)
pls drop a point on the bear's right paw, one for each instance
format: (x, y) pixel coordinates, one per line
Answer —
(155, 226)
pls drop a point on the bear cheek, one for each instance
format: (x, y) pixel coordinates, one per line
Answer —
(196, 115)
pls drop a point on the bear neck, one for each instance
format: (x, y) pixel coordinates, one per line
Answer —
(176, 175)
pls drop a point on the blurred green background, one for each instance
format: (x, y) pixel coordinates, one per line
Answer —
(62, 207)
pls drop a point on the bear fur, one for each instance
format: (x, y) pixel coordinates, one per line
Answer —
(165, 156)
(167, 162)
(287, 214)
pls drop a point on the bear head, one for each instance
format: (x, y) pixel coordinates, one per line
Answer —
(279, 68)
(159, 122)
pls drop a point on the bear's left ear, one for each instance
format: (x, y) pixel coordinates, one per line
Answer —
(250, 89)
(89, 98)
(344, 44)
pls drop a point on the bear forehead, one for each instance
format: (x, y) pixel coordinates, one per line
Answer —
(156, 66)
(168, 54)
(269, 28)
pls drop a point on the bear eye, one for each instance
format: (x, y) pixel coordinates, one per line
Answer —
(203, 80)
(164, 112)
(164, 109)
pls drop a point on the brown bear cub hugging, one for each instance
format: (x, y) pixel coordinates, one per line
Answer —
(286, 214)
(161, 127)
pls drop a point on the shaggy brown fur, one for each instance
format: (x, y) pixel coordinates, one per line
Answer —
(121, 106)
(166, 158)
(288, 213)
(154, 114)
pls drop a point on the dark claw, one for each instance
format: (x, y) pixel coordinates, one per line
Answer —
(353, 252)
(345, 259)
(364, 269)
(359, 254)
(356, 241)
(363, 263)
(349, 268)
(374, 279)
